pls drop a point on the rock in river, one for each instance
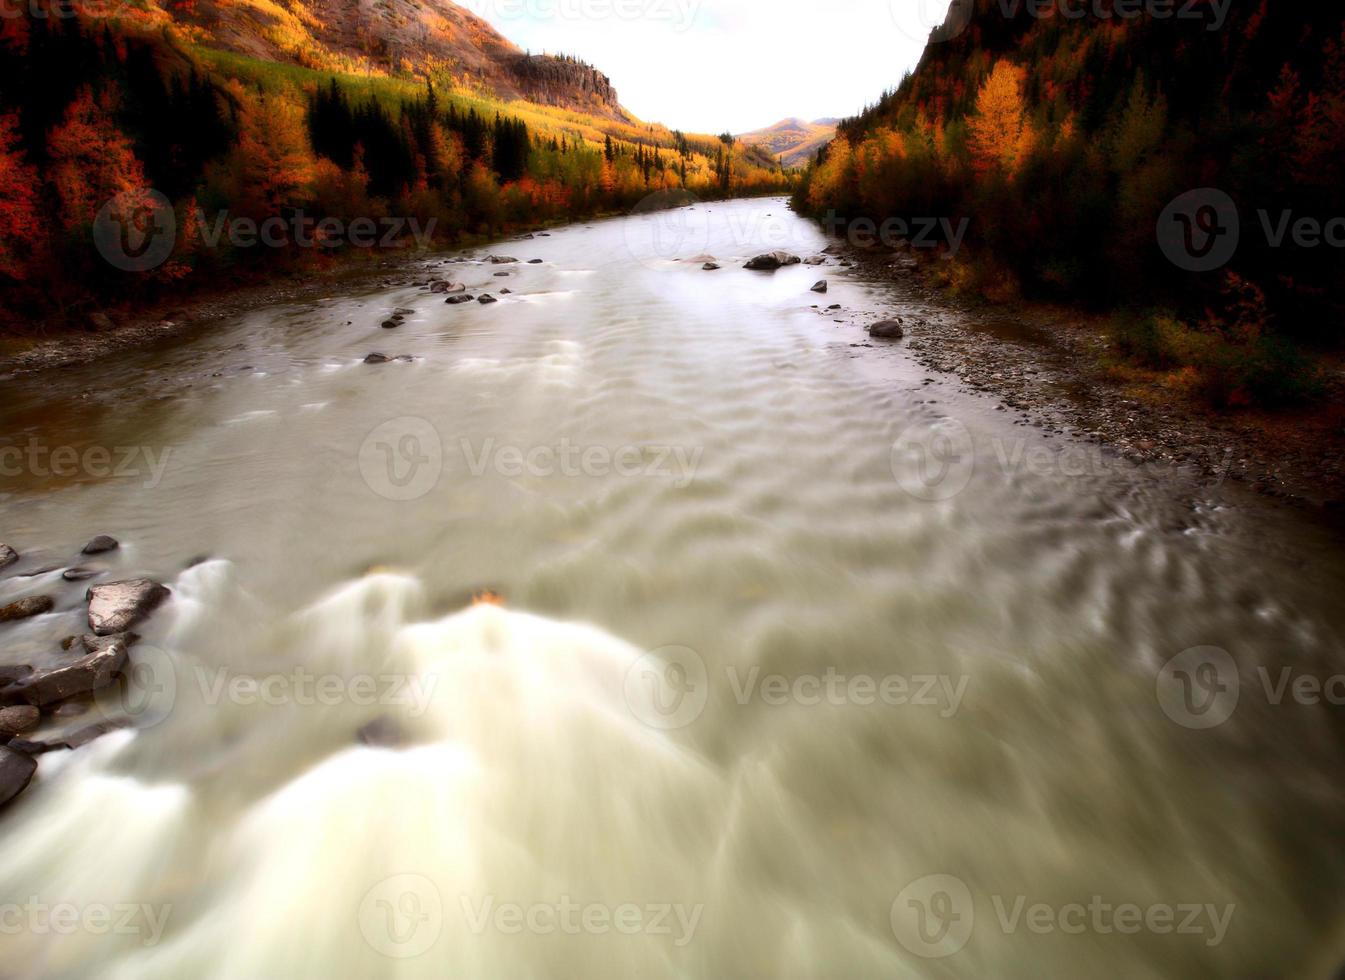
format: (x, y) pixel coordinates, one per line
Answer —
(771, 261)
(101, 545)
(444, 286)
(13, 673)
(376, 358)
(887, 330)
(500, 259)
(8, 556)
(16, 771)
(116, 607)
(34, 605)
(486, 299)
(89, 673)
(80, 574)
(460, 298)
(821, 287)
(19, 719)
(710, 266)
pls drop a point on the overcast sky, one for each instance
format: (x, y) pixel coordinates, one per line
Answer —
(737, 65)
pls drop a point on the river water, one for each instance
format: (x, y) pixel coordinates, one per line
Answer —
(796, 664)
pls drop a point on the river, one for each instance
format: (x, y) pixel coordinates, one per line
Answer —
(714, 645)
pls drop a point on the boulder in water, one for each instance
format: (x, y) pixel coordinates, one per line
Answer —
(116, 607)
(101, 545)
(34, 605)
(821, 287)
(887, 330)
(710, 267)
(461, 298)
(770, 261)
(487, 299)
(16, 772)
(500, 259)
(87, 674)
(19, 719)
(8, 556)
(376, 358)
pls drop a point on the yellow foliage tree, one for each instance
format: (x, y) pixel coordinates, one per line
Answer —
(1000, 134)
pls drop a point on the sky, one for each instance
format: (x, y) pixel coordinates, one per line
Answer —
(729, 65)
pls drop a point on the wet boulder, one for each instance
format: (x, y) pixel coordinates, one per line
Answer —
(18, 719)
(770, 261)
(887, 330)
(376, 358)
(80, 573)
(710, 267)
(487, 299)
(13, 673)
(16, 772)
(8, 556)
(815, 260)
(101, 545)
(116, 607)
(820, 287)
(501, 259)
(444, 286)
(35, 605)
(459, 299)
(89, 673)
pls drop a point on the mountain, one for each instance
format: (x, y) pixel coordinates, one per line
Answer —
(426, 37)
(792, 141)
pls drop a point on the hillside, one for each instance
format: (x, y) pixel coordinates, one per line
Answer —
(1064, 141)
(417, 37)
(793, 142)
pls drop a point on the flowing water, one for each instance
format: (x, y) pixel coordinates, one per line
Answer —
(805, 667)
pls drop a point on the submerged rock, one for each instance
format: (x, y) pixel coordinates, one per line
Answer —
(8, 556)
(87, 674)
(534, 261)
(16, 772)
(771, 261)
(101, 545)
(116, 607)
(887, 330)
(392, 324)
(815, 260)
(34, 605)
(821, 287)
(19, 719)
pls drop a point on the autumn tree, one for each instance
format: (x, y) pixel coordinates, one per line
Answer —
(91, 160)
(1000, 135)
(21, 229)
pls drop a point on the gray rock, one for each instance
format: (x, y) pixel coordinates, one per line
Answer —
(486, 299)
(392, 324)
(534, 261)
(101, 545)
(16, 772)
(710, 267)
(403, 311)
(13, 673)
(815, 260)
(506, 292)
(116, 607)
(821, 287)
(444, 286)
(34, 605)
(376, 358)
(19, 719)
(771, 261)
(455, 300)
(8, 556)
(887, 330)
(87, 674)
(500, 259)
(80, 574)
(503, 275)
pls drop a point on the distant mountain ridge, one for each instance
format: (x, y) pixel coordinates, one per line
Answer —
(794, 142)
(396, 36)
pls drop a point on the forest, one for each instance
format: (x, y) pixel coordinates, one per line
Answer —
(96, 110)
(1063, 140)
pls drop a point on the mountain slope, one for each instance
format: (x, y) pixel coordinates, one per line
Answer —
(424, 37)
(793, 142)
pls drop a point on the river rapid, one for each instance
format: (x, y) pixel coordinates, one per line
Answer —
(785, 659)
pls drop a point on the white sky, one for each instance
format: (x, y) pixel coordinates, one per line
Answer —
(738, 65)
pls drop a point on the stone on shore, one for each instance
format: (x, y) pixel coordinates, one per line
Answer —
(770, 261)
(34, 605)
(16, 772)
(887, 330)
(116, 607)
